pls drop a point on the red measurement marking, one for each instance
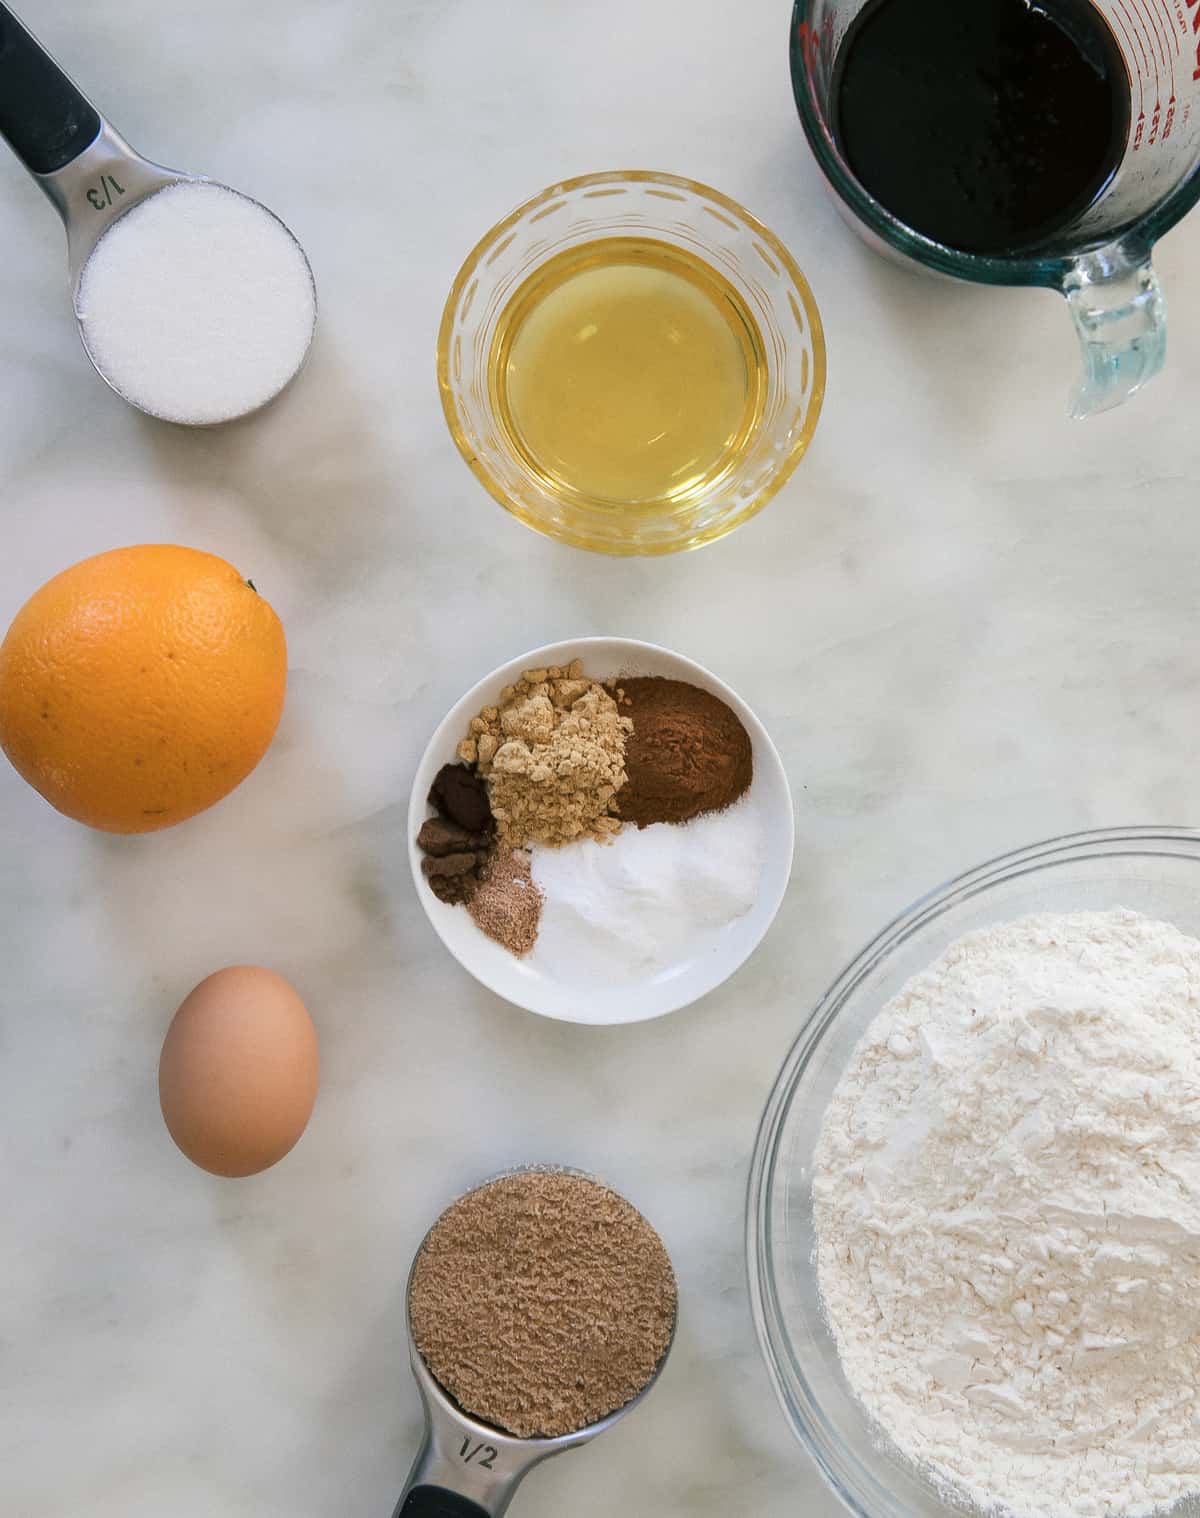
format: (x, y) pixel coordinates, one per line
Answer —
(809, 45)
(1153, 30)
(1153, 35)
(811, 42)
(1123, 21)
(1193, 5)
(1178, 32)
(1153, 60)
(1170, 39)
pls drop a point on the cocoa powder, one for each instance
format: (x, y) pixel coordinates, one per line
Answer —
(688, 753)
(542, 1302)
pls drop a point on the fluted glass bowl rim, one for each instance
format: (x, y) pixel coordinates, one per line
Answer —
(486, 247)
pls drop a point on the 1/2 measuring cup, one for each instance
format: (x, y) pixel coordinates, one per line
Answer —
(467, 1468)
(1101, 262)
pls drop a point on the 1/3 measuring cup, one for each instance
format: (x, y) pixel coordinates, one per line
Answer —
(1101, 262)
(94, 180)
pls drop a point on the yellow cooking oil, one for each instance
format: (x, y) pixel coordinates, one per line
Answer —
(628, 372)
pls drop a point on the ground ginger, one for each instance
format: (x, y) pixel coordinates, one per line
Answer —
(553, 754)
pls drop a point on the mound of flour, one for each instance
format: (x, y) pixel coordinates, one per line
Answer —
(1007, 1202)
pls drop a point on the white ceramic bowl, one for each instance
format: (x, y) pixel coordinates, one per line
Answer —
(703, 969)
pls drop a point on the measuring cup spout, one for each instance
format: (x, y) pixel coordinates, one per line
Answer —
(1120, 317)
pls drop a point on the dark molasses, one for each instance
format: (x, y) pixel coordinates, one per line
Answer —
(986, 125)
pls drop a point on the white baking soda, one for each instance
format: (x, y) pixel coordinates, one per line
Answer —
(198, 304)
(615, 912)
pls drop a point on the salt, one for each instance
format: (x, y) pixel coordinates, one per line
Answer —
(197, 305)
(648, 900)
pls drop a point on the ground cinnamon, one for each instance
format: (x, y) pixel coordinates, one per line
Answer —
(688, 753)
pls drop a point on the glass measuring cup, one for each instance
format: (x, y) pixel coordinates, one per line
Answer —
(1101, 262)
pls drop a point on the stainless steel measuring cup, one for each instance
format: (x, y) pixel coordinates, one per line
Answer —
(84, 166)
(1101, 262)
(468, 1469)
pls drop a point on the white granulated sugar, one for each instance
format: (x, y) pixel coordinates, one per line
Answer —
(198, 305)
(1007, 1201)
(613, 912)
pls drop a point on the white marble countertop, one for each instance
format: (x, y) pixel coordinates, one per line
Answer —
(968, 623)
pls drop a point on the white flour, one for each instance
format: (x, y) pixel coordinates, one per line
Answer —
(1007, 1199)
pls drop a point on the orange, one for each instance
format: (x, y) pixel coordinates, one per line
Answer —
(141, 686)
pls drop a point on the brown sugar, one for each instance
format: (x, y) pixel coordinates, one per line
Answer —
(542, 1302)
(688, 754)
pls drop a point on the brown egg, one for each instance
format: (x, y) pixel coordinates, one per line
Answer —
(239, 1069)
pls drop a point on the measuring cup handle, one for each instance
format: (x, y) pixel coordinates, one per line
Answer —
(437, 1502)
(1120, 317)
(43, 117)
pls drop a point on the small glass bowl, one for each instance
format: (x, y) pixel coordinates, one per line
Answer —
(634, 203)
(1155, 871)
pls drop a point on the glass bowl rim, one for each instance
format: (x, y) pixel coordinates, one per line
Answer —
(851, 1483)
(497, 233)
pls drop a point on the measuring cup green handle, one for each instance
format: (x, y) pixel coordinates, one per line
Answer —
(1120, 317)
(1102, 263)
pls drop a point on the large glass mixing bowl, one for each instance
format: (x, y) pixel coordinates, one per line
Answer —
(1151, 870)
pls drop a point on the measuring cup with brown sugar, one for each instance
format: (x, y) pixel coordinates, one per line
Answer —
(541, 1309)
